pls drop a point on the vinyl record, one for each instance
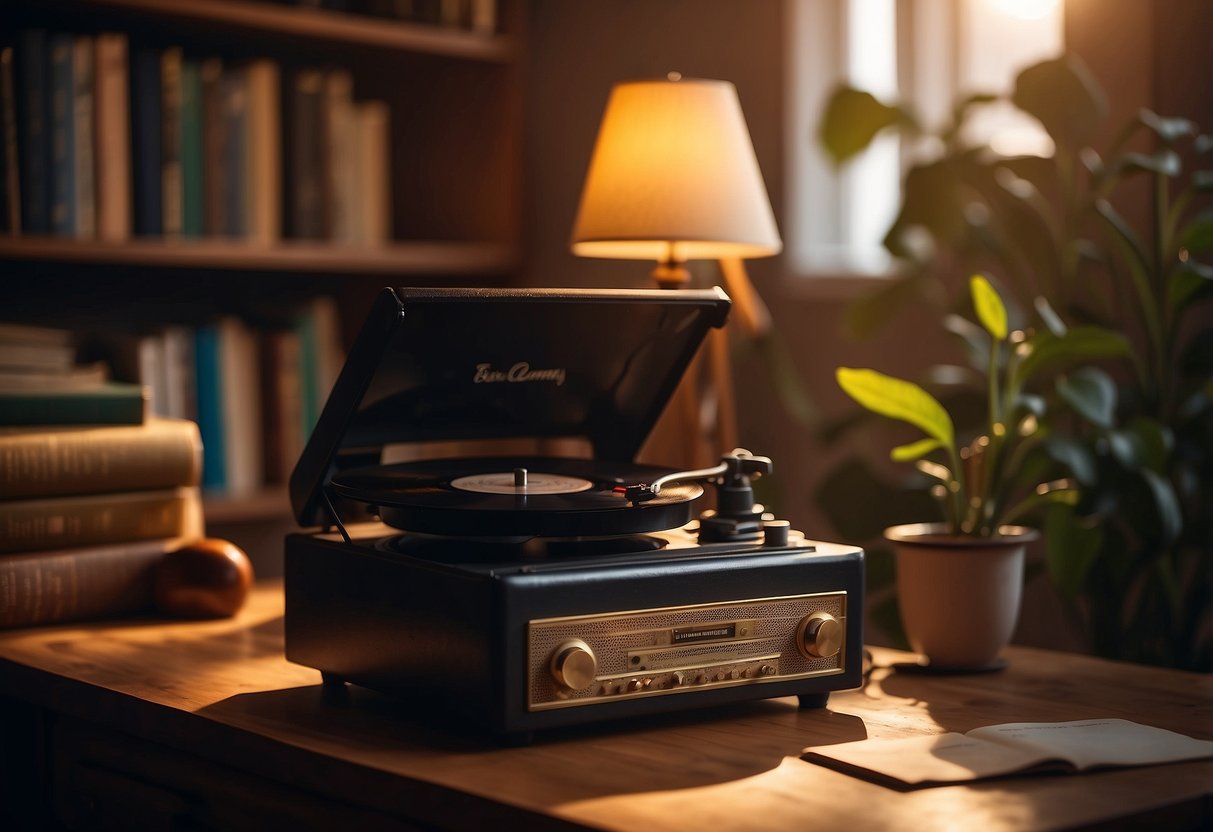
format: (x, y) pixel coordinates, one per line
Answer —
(479, 497)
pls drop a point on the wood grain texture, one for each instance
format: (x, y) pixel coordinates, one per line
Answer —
(221, 691)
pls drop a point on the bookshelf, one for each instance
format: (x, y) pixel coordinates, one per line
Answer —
(452, 164)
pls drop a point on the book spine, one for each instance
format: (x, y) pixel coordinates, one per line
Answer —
(339, 118)
(374, 141)
(145, 142)
(179, 373)
(74, 584)
(264, 147)
(240, 397)
(111, 404)
(113, 138)
(41, 463)
(10, 186)
(236, 184)
(84, 195)
(34, 141)
(214, 162)
(63, 135)
(60, 522)
(191, 149)
(308, 177)
(170, 143)
(209, 407)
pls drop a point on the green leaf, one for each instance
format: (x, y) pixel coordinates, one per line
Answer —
(977, 345)
(1164, 162)
(914, 450)
(1122, 227)
(1166, 504)
(933, 198)
(1167, 129)
(1071, 548)
(1190, 282)
(1144, 443)
(1092, 393)
(1080, 344)
(1048, 315)
(1074, 455)
(989, 307)
(851, 121)
(898, 399)
(1197, 235)
(1064, 96)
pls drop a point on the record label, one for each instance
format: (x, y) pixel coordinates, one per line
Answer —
(532, 483)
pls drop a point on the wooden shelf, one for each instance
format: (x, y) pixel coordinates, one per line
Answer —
(320, 25)
(395, 258)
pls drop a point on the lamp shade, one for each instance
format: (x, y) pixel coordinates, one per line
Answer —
(674, 177)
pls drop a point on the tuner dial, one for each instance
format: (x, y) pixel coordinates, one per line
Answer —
(573, 665)
(819, 636)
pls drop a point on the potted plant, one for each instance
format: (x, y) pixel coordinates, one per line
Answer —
(959, 581)
(1133, 556)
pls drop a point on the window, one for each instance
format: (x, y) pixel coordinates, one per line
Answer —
(922, 54)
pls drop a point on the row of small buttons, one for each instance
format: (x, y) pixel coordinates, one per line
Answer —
(678, 679)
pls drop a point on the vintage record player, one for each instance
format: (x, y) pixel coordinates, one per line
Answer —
(526, 593)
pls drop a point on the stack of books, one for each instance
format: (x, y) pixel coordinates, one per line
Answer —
(92, 494)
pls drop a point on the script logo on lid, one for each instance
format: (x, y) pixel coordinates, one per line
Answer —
(520, 373)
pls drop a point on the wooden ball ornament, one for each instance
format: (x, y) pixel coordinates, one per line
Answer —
(208, 578)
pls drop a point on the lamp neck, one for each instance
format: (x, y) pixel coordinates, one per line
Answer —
(671, 271)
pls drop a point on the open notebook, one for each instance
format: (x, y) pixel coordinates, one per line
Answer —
(1013, 748)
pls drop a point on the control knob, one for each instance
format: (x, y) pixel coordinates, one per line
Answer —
(573, 665)
(819, 636)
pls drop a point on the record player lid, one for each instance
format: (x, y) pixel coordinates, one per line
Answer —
(459, 364)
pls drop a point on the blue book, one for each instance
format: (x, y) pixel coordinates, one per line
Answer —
(146, 151)
(33, 141)
(62, 135)
(208, 398)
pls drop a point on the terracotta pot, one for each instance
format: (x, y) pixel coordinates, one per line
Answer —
(959, 596)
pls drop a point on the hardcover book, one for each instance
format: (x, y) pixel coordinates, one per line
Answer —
(39, 588)
(111, 403)
(84, 520)
(83, 460)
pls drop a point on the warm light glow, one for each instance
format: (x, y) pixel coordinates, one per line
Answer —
(674, 173)
(1026, 9)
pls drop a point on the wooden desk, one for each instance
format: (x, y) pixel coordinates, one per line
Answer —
(144, 724)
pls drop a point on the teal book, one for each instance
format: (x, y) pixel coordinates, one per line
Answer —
(111, 403)
(192, 175)
(208, 398)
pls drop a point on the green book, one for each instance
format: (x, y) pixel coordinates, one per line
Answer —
(112, 403)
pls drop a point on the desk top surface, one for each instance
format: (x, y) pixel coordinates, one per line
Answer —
(223, 690)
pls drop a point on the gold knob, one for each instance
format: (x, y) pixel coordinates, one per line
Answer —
(574, 665)
(819, 636)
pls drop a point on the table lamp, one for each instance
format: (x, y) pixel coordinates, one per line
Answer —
(673, 178)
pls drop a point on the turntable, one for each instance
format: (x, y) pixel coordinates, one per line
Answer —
(528, 592)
